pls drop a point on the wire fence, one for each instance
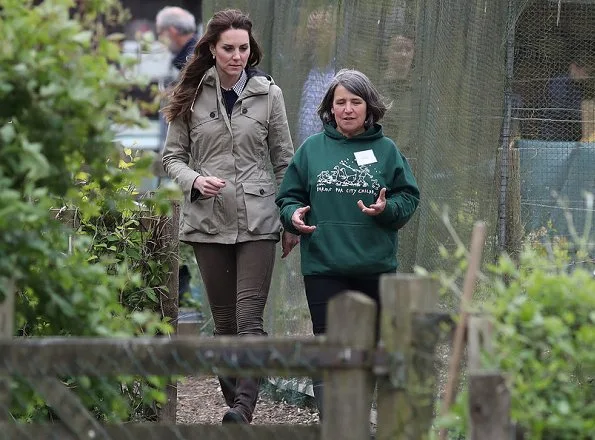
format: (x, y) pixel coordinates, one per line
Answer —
(468, 81)
(553, 113)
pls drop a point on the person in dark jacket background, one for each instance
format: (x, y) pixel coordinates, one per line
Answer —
(346, 192)
(176, 27)
(562, 118)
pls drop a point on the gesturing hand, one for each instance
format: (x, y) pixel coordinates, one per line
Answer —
(288, 242)
(375, 208)
(297, 219)
(208, 186)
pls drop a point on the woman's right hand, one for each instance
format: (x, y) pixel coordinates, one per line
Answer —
(208, 186)
(297, 220)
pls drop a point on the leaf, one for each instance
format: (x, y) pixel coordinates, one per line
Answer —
(7, 132)
(563, 407)
(65, 307)
(110, 50)
(83, 37)
(116, 36)
(51, 89)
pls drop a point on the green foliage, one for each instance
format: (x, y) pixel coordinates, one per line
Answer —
(543, 310)
(61, 94)
(545, 342)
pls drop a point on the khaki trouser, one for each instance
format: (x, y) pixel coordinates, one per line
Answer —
(237, 278)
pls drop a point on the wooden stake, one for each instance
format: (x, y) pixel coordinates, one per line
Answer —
(477, 243)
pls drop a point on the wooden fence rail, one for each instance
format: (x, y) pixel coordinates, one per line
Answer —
(347, 357)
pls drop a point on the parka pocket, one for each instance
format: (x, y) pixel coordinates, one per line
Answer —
(206, 129)
(201, 216)
(262, 214)
(255, 120)
(202, 117)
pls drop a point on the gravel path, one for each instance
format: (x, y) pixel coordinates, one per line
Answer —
(200, 402)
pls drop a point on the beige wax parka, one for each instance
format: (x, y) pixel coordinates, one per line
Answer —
(237, 150)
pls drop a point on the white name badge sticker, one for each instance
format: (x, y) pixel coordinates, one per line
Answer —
(365, 157)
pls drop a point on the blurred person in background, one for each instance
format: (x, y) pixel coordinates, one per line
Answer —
(397, 82)
(346, 192)
(227, 121)
(176, 28)
(562, 118)
(401, 51)
(320, 30)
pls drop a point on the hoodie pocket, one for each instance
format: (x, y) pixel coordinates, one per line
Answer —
(352, 248)
(262, 214)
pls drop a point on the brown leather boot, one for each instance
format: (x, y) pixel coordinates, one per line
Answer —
(228, 388)
(245, 401)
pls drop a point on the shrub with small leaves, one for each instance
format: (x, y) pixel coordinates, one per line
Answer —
(544, 316)
(543, 310)
(61, 92)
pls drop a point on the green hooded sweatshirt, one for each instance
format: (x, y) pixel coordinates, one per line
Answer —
(330, 173)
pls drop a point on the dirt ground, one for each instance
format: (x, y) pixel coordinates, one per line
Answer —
(200, 402)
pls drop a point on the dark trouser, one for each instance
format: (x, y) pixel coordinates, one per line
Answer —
(320, 289)
(237, 278)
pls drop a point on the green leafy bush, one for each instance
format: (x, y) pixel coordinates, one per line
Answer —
(544, 319)
(61, 94)
(543, 310)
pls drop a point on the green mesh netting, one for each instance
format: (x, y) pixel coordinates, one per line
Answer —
(554, 113)
(465, 78)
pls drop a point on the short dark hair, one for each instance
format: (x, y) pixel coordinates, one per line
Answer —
(359, 84)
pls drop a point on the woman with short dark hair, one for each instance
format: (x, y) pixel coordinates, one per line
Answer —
(346, 192)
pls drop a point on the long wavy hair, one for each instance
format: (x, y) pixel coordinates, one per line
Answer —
(183, 94)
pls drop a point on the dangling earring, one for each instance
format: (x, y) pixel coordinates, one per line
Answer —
(213, 56)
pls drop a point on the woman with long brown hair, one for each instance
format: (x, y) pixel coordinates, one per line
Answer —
(227, 125)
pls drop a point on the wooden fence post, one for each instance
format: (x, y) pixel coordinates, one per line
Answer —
(406, 396)
(169, 304)
(514, 224)
(489, 407)
(348, 393)
(479, 340)
(489, 398)
(6, 332)
(171, 237)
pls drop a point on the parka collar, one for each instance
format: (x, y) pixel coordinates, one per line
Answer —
(258, 83)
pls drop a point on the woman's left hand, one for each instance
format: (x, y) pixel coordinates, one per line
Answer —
(288, 242)
(375, 208)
